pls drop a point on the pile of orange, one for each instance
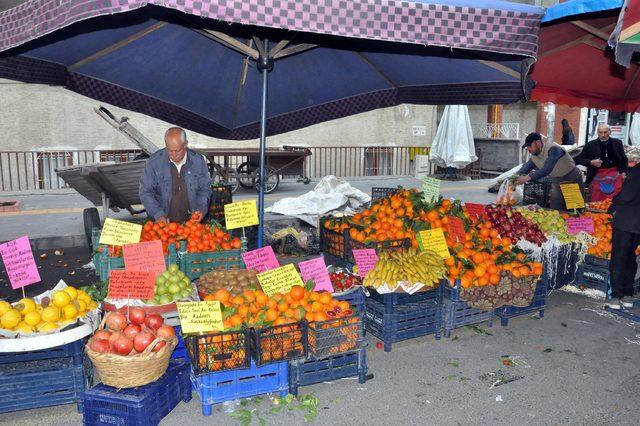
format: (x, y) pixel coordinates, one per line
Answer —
(603, 232)
(601, 205)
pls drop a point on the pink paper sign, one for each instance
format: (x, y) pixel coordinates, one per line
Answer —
(580, 224)
(316, 270)
(19, 262)
(366, 259)
(261, 260)
(147, 257)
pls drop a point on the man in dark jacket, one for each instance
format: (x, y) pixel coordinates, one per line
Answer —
(176, 181)
(624, 241)
(606, 164)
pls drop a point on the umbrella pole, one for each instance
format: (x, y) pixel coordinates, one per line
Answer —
(265, 64)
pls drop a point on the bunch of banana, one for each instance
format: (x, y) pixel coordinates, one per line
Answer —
(407, 265)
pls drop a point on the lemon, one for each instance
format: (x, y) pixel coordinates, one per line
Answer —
(82, 295)
(24, 328)
(72, 292)
(61, 298)
(47, 326)
(50, 314)
(10, 319)
(4, 307)
(82, 306)
(39, 309)
(32, 318)
(69, 312)
(92, 305)
(28, 305)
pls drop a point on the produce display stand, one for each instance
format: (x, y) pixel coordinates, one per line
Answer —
(538, 304)
(457, 313)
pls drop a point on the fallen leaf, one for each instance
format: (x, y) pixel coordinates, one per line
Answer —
(44, 256)
(547, 350)
(59, 252)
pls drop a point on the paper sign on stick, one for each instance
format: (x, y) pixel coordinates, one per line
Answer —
(200, 317)
(455, 229)
(572, 196)
(433, 239)
(316, 270)
(147, 256)
(431, 189)
(279, 280)
(582, 224)
(19, 262)
(241, 214)
(365, 259)
(118, 232)
(476, 210)
(124, 284)
(262, 259)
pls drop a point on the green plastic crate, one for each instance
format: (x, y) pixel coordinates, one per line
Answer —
(194, 265)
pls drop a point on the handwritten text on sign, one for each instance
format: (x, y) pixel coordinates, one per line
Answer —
(147, 256)
(118, 232)
(19, 262)
(431, 189)
(241, 214)
(262, 259)
(200, 317)
(433, 239)
(455, 229)
(316, 270)
(365, 259)
(476, 210)
(279, 280)
(124, 284)
(582, 224)
(572, 196)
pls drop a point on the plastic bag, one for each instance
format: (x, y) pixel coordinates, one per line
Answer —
(509, 193)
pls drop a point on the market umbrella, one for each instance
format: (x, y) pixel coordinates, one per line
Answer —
(334, 58)
(453, 146)
(626, 36)
(576, 66)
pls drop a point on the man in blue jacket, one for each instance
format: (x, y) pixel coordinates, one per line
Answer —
(176, 181)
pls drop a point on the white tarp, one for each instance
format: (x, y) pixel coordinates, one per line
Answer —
(453, 145)
(634, 130)
(329, 194)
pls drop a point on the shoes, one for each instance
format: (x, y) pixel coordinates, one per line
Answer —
(616, 303)
(626, 302)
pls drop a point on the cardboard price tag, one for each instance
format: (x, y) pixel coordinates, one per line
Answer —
(431, 189)
(455, 229)
(581, 224)
(118, 232)
(572, 196)
(147, 257)
(19, 262)
(200, 317)
(261, 260)
(366, 259)
(241, 214)
(124, 284)
(476, 210)
(279, 280)
(433, 239)
(316, 270)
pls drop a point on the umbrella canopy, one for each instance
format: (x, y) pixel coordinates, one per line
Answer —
(575, 65)
(169, 64)
(626, 37)
(453, 144)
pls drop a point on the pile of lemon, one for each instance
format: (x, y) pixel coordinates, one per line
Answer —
(27, 316)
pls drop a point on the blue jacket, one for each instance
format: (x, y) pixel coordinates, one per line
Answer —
(156, 181)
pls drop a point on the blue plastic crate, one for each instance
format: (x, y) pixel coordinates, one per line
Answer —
(355, 297)
(215, 388)
(457, 313)
(43, 383)
(407, 321)
(566, 265)
(73, 349)
(538, 303)
(309, 372)
(330, 259)
(389, 300)
(180, 352)
(594, 277)
(141, 406)
(600, 262)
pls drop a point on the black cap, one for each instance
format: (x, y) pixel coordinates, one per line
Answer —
(531, 138)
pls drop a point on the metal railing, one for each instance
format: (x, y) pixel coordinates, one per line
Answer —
(496, 131)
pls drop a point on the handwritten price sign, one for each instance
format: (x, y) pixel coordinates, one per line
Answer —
(455, 229)
(124, 284)
(261, 260)
(147, 257)
(476, 210)
(118, 232)
(433, 239)
(19, 262)
(583, 224)
(200, 317)
(241, 214)
(431, 189)
(365, 259)
(572, 196)
(316, 270)
(279, 280)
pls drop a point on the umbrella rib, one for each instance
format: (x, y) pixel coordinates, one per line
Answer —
(591, 29)
(228, 41)
(243, 77)
(292, 50)
(377, 70)
(501, 68)
(631, 83)
(116, 46)
(573, 43)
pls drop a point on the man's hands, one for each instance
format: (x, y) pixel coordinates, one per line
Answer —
(596, 162)
(523, 179)
(163, 219)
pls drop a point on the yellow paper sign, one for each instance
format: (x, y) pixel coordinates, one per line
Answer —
(431, 189)
(279, 280)
(241, 214)
(572, 196)
(119, 232)
(433, 239)
(200, 317)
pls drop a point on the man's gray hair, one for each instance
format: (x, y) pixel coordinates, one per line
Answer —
(183, 134)
(605, 125)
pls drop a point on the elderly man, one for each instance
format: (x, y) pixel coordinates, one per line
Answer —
(176, 181)
(606, 164)
(549, 159)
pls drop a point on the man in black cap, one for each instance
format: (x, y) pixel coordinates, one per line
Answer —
(549, 159)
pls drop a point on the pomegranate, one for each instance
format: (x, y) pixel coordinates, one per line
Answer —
(137, 316)
(123, 345)
(131, 330)
(115, 336)
(161, 344)
(166, 332)
(100, 345)
(142, 340)
(154, 321)
(102, 334)
(116, 321)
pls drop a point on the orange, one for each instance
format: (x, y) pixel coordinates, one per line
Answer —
(344, 305)
(483, 280)
(243, 311)
(249, 295)
(283, 306)
(479, 271)
(308, 316)
(280, 321)
(320, 316)
(272, 304)
(237, 300)
(325, 298)
(222, 296)
(317, 307)
(477, 258)
(271, 315)
(296, 292)
(494, 279)
(235, 320)
(261, 298)
(314, 296)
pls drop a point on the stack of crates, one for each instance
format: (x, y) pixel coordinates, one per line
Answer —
(593, 273)
(457, 313)
(220, 195)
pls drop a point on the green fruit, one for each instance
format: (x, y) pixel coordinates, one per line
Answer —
(161, 279)
(161, 289)
(174, 279)
(184, 294)
(165, 299)
(186, 282)
(174, 288)
(173, 268)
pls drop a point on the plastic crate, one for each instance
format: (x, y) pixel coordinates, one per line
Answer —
(537, 192)
(180, 351)
(212, 352)
(335, 336)
(538, 303)
(355, 297)
(43, 383)
(407, 321)
(74, 350)
(141, 406)
(279, 343)
(593, 277)
(378, 192)
(215, 388)
(390, 300)
(600, 262)
(194, 265)
(104, 263)
(333, 243)
(565, 264)
(309, 372)
(379, 246)
(339, 262)
(457, 313)
(220, 195)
